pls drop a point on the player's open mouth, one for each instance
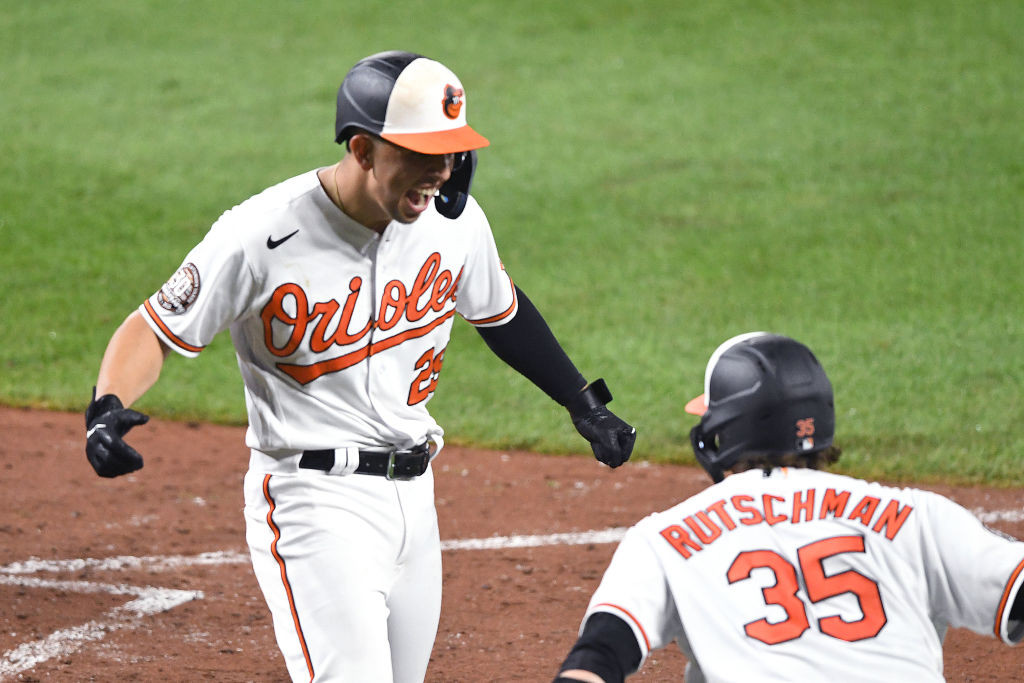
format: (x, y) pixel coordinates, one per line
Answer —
(420, 198)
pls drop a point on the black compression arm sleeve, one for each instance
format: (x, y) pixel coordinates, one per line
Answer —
(527, 344)
(1017, 617)
(607, 647)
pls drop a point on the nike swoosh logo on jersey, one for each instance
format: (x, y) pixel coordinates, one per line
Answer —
(274, 244)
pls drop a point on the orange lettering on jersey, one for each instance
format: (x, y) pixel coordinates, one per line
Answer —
(803, 506)
(701, 529)
(443, 290)
(864, 510)
(740, 503)
(274, 310)
(342, 337)
(429, 365)
(431, 290)
(322, 312)
(892, 519)
(428, 282)
(680, 540)
(719, 509)
(319, 341)
(706, 537)
(392, 305)
(833, 504)
(769, 513)
(396, 303)
(304, 374)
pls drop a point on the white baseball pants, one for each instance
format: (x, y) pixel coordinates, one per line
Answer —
(350, 567)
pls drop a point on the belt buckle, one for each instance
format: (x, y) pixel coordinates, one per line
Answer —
(390, 474)
(419, 449)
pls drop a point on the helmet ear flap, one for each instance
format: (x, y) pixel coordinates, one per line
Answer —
(451, 199)
(705, 448)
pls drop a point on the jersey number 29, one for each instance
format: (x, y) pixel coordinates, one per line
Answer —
(819, 587)
(429, 366)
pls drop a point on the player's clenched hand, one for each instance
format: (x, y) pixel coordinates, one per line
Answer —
(106, 422)
(610, 437)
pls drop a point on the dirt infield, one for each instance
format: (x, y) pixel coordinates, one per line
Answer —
(146, 577)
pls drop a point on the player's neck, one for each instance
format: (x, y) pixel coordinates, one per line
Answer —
(346, 188)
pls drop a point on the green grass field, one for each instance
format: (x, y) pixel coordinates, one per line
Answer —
(662, 176)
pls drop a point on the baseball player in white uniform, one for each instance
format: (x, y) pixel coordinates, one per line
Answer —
(339, 288)
(782, 572)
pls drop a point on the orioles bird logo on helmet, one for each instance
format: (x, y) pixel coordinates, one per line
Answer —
(452, 102)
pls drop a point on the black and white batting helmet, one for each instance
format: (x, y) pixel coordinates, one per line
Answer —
(764, 395)
(407, 99)
(416, 103)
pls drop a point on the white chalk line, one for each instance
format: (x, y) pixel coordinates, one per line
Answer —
(152, 600)
(534, 541)
(999, 515)
(173, 562)
(125, 563)
(148, 601)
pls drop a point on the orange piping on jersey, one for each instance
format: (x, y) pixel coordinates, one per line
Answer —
(504, 314)
(284, 573)
(647, 642)
(304, 374)
(1004, 602)
(167, 331)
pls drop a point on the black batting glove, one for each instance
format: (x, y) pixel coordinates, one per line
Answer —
(106, 422)
(610, 438)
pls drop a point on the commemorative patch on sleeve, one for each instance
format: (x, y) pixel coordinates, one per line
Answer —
(181, 290)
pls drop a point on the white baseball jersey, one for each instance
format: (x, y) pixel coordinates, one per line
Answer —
(804, 575)
(340, 332)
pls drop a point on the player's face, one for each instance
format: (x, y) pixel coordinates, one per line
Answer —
(405, 182)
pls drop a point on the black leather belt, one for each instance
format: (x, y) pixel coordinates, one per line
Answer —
(392, 463)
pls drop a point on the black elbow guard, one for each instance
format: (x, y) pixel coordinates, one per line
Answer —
(1017, 617)
(607, 647)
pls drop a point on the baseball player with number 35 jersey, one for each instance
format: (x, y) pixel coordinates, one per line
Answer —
(340, 287)
(782, 572)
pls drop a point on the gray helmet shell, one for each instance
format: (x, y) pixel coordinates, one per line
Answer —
(364, 94)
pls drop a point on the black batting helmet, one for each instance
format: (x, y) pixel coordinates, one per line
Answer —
(764, 395)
